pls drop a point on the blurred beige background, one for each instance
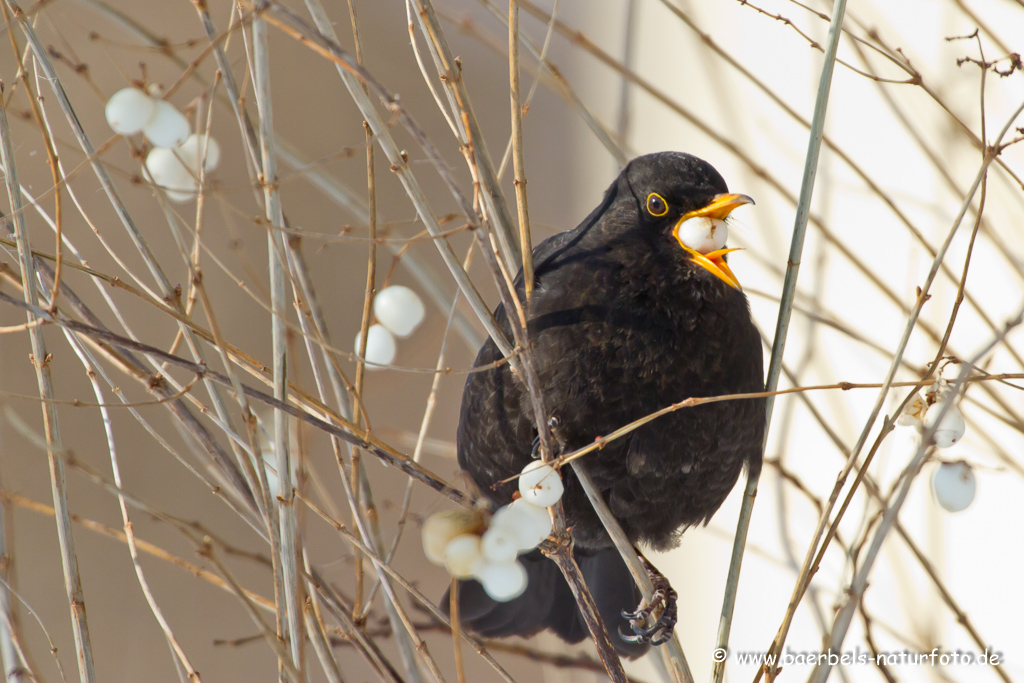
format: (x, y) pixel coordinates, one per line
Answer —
(976, 552)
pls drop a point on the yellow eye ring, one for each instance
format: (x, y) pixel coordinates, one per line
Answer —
(656, 205)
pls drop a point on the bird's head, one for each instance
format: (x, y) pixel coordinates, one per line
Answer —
(686, 198)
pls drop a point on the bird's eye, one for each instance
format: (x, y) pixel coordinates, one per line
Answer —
(656, 205)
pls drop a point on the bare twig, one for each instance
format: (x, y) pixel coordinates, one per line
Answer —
(518, 163)
(356, 438)
(453, 611)
(810, 561)
(15, 662)
(562, 556)
(41, 362)
(129, 533)
(290, 594)
(858, 585)
(471, 135)
(785, 313)
(671, 650)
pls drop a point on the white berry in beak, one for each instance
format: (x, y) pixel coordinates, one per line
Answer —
(703, 234)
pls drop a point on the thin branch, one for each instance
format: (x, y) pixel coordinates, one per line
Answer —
(858, 585)
(785, 314)
(41, 363)
(129, 533)
(355, 437)
(451, 70)
(518, 163)
(671, 650)
(290, 549)
(923, 294)
(16, 666)
(142, 545)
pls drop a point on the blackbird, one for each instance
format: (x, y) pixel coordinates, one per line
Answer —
(624, 319)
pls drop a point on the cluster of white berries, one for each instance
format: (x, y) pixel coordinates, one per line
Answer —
(399, 311)
(953, 483)
(174, 162)
(704, 234)
(470, 547)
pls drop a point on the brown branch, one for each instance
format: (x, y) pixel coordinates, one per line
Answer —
(562, 555)
(352, 435)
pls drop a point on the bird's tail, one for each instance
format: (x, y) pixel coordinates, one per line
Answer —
(548, 602)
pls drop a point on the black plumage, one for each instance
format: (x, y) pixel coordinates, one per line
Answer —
(623, 321)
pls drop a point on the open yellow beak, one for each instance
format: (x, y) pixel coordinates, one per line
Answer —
(720, 207)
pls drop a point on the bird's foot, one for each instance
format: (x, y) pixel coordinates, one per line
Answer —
(660, 629)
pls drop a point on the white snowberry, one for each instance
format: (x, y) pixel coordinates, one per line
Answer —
(703, 234)
(192, 150)
(540, 484)
(954, 485)
(462, 556)
(169, 173)
(950, 430)
(530, 524)
(913, 413)
(499, 544)
(128, 110)
(502, 581)
(168, 127)
(399, 309)
(380, 347)
(441, 527)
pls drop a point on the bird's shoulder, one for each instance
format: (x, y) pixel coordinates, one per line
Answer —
(603, 265)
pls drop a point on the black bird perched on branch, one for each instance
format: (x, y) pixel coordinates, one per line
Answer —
(624, 319)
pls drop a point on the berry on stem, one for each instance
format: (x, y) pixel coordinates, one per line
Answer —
(193, 149)
(444, 525)
(954, 485)
(950, 429)
(499, 544)
(540, 484)
(502, 581)
(380, 347)
(168, 127)
(128, 110)
(462, 556)
(169, 173)
(530, 524)
(399, 309)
